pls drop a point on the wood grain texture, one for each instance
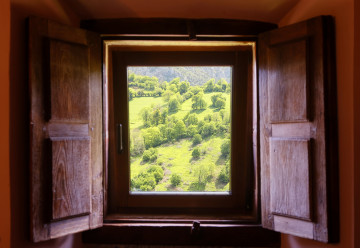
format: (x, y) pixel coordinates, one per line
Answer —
(295, 227)
(74, 128)
(96, 131)
(173, 26)
(68, 130)
(69, 81)
(290, 177)
(70, 177)
(243, 193)
(288, 82)
(292, 130)
(318, 126)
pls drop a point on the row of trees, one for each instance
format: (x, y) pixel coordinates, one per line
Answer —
(160, 130)
(140, 86)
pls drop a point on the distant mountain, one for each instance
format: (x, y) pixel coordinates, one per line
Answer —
(196, 75)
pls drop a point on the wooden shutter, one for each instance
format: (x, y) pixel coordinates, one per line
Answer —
(298, 130)
(66, 130)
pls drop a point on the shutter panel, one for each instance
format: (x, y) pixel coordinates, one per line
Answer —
(298, 130)
(66, 130)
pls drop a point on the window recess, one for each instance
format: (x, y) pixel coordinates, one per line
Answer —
(239, 203)
(293, 136)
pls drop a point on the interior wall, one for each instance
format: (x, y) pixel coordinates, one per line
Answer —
(348, 92)
(343, 11)
(357, 122)
(4, 124)
(19, 118)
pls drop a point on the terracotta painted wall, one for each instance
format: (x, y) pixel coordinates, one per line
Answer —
(348, 94)
(19, 118)
(357, 122)
(343, 11)
(4, 124)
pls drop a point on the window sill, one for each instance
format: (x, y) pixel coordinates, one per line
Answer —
(181, 234)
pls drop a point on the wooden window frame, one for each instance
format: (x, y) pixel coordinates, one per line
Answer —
(239, 205)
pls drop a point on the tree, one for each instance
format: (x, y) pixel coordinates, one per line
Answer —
(188, 95)
(198, 101)
(216, 97)
(132, 94)
(158, 92)
(208, 129)
(196, 90)
(183, 87)
(146, 116)
(220, 103)
(152, 137)
(179, 130)
(164, 115)
(223, 84)
(204, 173)
(167, 95)
(137, 145)
(131, 77)
(196, 153)
(175, 180)
(156, 116)
(175, 82)
(192, 130)
(173, 88)
(174, 104)
(209, 85)
(190, 119)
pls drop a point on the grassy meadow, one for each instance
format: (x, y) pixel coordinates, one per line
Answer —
(156, 166)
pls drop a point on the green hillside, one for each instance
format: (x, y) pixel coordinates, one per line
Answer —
(179, 135)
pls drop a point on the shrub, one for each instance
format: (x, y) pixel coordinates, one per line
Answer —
(175, 180)
(196, 153)
(192, 130)
(225, 148)
(144, 182)
(146, 156)
(153, 157)
(208, 129)
(197, 139)
(224, 176)
(150, 155)
(157, 172)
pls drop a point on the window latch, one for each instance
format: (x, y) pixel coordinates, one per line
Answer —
(119, 142)
(195, 229)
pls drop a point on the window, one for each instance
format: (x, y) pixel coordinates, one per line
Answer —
(240, 201)
(290, 141)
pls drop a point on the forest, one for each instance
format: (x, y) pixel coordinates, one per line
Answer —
(179, 134)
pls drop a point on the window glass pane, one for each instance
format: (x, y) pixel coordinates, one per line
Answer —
(180, 119)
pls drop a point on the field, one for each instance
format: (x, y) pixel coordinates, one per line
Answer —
(176, 157)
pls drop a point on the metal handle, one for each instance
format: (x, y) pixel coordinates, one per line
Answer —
(119, 138)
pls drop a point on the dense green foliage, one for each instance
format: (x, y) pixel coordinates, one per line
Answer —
(175, 180)
(181, 130)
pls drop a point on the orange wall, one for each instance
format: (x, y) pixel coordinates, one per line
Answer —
(343, 11)
(20, 9)
(4, 124)
(19, 118)
(357, 122)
